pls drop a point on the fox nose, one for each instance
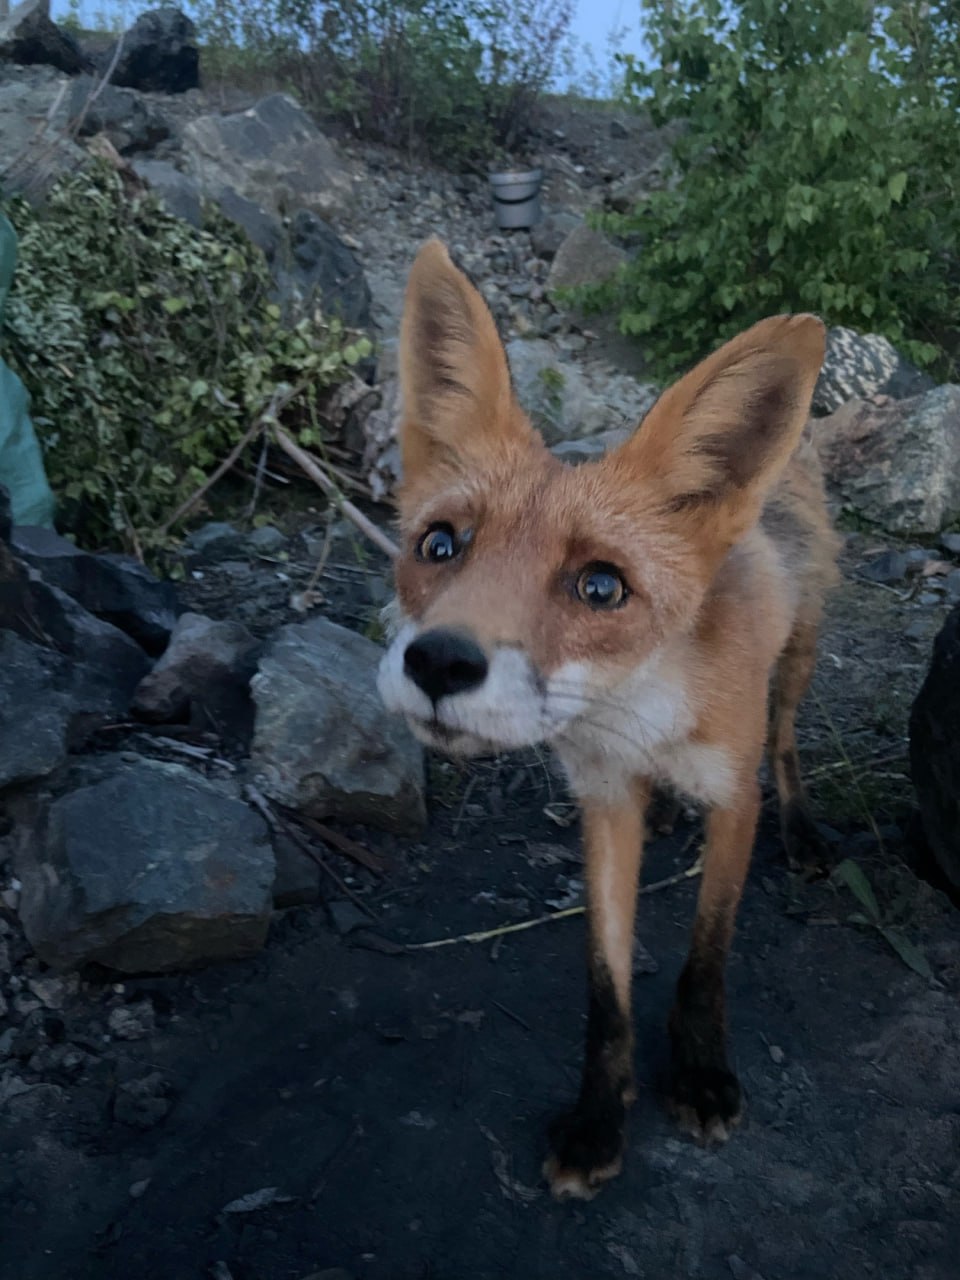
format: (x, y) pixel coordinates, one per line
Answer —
(443, 663)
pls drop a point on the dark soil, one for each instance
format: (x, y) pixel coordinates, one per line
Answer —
(398, 1102)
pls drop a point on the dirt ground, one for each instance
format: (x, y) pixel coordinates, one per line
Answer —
(390, 1108)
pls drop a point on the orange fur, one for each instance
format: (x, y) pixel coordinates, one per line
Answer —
(713, 516)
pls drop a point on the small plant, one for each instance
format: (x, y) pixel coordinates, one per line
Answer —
(850, 874)
(815, 170)
(148, 348)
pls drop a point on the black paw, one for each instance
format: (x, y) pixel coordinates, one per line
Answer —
(586, 1150)
(807, 851)
(706, 1100)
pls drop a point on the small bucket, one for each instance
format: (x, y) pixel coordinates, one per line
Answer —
(516, 198)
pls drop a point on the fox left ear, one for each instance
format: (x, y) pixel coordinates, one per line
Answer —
(717, 441)
(455, 384)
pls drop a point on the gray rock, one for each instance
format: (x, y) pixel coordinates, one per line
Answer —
(322, 267)
(550, 232)
(591, 449)
(159, 54)
(322, 743)
(632, 190)
(951, 586)
(142, 1103)
(144, 867)
(203, 676)
(935, 749)
(131, 122)
(116, 588)
(860, 365)
(272, 154)
(267, 540)
(262, 228)
(949, 541)
(34, 126)
(34, 713)
(179, 194)
(298, 878)
(214, 541)
(30, 37)
(563, 404)
(889, 568)
(896, 462)
(586, 256)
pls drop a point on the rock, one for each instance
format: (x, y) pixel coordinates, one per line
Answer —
(322, 743)
(179, 193)
(889, 568)
(262, 229)
(30, 37)
(298, 881)
(132, 1021)
(115, 588)
(6, 515)
(159, 54)
(591, 449)
(214, 541)
(550, 232)
(951, 584)
(31, 696)
(131, 122)
(34, 125)
(204, 676)
(142, 1103)
(267, 540)
(560, 400)
(896, 462)
(323, 267)
(935, 749)
(586, 256)
(858, 366)
(618, 130)
(144, 867)
(632, 190)
(272, 154)
(949, 541)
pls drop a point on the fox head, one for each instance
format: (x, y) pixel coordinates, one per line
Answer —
(530, 592)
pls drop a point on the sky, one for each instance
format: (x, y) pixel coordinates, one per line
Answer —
(593, 21)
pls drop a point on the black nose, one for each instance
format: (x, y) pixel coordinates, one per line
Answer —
(443, 663)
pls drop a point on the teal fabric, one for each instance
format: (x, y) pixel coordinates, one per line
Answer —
(21, 462)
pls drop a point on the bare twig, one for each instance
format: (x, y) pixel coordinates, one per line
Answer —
(310, 467)
(486, 934)
(276, 822)
(349, 848)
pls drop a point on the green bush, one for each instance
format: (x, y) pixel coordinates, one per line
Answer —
(453, 78)
(816, 168)
(148, 348)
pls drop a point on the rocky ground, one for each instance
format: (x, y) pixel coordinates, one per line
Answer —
(341, 1103)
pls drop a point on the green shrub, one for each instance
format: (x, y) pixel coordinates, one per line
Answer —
(148, 348)
(454, 78)
(816, 169)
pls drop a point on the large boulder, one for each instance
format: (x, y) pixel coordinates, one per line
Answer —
(35, 711)
(36, 146)
(586, 256)
(895, 462)
(116, 588)
(564, 402)
(132, 122)
(204, 677)
(322, 743)
(860, 365)
(143, 867)
(159, 54)
(273, 154)
(322, 267)
(30, 37)
(935, 749)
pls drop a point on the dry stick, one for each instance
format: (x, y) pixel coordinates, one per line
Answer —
(565, 914)
(309, 465)
(277, 402)
(349, 848)
(274, 820)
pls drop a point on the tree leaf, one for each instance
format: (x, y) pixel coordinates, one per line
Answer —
(849, 873)
(909, 952)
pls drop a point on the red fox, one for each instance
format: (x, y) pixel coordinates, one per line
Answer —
(632, 613)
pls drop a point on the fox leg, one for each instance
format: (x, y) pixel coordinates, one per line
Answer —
(705, 1093)
(804, 844)
(587, 1143)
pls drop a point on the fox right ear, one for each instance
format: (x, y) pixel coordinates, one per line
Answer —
(455, 385)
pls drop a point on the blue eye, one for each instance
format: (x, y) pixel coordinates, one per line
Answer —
(601, 587)
(438, 545)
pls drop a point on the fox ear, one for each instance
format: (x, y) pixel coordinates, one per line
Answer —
(455, 384)
(716, 442)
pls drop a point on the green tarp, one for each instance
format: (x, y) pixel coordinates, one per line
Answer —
(21, 462)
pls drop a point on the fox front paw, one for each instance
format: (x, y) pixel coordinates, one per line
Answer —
(585, 1152)
(706, 1100)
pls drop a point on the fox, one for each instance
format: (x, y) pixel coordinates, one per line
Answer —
(651, 617)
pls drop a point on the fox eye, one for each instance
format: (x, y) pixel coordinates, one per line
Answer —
(439, 544)
(601, 587)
